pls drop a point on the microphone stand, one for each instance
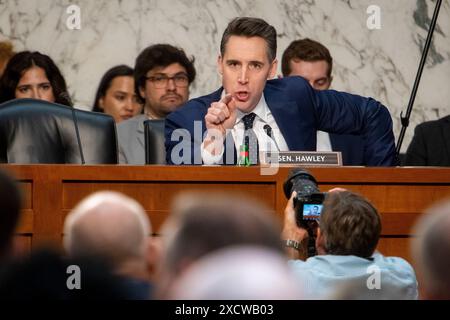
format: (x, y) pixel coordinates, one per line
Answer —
(405, 120)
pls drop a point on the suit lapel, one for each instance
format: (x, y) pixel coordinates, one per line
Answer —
(288, 118)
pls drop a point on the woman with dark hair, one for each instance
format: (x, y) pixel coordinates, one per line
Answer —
(115, 94)
(33, 75)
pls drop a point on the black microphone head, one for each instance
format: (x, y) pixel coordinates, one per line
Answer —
(268, 130)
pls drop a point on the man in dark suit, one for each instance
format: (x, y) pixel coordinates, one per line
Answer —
(312, 60)
(430, 145)
(209, 129)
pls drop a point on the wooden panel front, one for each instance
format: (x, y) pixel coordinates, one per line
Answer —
(156, 196)
(51, 191)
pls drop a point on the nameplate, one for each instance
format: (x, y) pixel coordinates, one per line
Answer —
(304, 158)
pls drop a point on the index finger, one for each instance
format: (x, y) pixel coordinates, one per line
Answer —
(226, 99)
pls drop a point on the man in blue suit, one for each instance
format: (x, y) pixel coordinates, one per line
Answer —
(282, 114)
(312, 60)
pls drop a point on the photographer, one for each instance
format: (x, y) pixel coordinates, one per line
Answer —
(347, 235)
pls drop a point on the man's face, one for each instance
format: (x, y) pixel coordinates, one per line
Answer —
(315, 210)
(245, 68)
(163, 95)
(316, 73)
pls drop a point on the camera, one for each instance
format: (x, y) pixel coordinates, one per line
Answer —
(308, 203)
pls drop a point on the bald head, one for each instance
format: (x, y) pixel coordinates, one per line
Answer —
(431, 251)
(109, 226)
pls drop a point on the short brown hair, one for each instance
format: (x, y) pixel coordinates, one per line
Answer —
(306, 50)
(251, 27)
(350, 225)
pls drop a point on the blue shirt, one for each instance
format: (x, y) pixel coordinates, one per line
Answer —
(379, 277)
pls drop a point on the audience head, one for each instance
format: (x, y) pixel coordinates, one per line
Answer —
(162, 75)
(10, 204)
(6, 53)
(111, 227)
(349, 225)
(33, 75)
(247, 59)
(309, 59)
(116, 96)
(431, 251)
(201, 223)
(237, 273)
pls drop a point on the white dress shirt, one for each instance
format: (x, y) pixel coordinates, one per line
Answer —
(323, 141)
(263, 116)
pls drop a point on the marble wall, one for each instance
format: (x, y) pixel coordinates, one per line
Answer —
(381, 63)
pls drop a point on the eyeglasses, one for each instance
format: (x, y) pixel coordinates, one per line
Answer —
(160, 82)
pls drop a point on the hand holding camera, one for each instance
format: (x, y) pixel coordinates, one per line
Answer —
(304, 207)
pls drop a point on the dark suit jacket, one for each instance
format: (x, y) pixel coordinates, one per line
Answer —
(430, 145)
(299, 112)
(351, 146)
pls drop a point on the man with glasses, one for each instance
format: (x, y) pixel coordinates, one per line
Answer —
(162, 76)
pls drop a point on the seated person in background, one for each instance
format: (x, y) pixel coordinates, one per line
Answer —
(6, 53)
(239, 113)
(312, 60)
(431, 251)
(33, 75)
(347, 236)
(430, 145)
(162, 76)
(114, 229)
(10, 204)
(202, 223)
(116, 96)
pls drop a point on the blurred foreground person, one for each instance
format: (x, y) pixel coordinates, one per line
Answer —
(202, 223)
(46, 275)
(431, 251)
(238, 273)
(115, 229)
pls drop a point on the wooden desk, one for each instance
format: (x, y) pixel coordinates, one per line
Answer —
(51, 191)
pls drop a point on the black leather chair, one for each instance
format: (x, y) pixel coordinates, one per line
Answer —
(37, 131)
(155, 150)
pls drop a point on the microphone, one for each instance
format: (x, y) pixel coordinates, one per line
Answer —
(268, 130)
(64, 96)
